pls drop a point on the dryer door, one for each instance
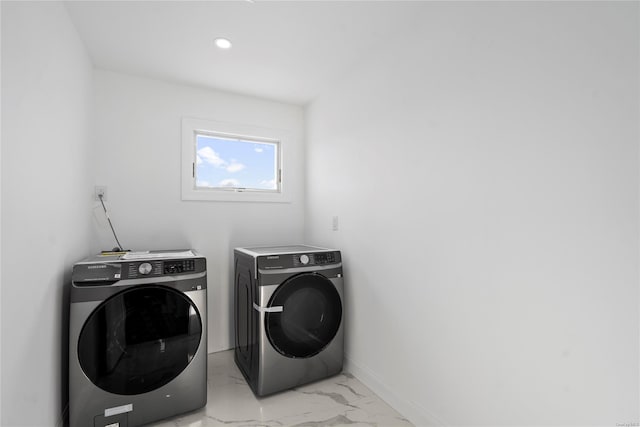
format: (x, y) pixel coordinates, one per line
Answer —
(139, 339)
(310, 317)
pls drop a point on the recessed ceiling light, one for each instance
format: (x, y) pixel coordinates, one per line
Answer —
(222, 43)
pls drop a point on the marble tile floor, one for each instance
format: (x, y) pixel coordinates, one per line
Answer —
(338, 401)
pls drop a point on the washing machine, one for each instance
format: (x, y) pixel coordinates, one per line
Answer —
(137, 337)
(288, 315)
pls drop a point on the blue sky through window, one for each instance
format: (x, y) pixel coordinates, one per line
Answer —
(235, 163)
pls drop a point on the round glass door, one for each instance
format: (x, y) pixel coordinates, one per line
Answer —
(310, 317)
(139, 339)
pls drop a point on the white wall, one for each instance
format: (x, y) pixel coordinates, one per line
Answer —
(484, 168)
(46, 202)
(138, 136)
(0, 216)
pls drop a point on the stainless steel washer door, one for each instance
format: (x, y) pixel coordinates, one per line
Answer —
(139, 340)
(304, 315)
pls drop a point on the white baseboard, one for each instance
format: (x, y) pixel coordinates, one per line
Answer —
(415, 413)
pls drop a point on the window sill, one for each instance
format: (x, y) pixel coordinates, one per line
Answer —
(233, 196)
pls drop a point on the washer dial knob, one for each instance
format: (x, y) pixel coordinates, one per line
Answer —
(304, 259)
(145, 268)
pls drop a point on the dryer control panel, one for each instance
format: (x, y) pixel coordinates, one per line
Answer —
(314, 259)
(282, 261)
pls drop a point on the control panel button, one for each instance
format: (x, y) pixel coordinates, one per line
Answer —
(145, 268)
(304, 259)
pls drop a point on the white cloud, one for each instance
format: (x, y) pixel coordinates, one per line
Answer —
(202, 183)
(259, 149)
(270, 184)
(229, 182)
(208, 155)
(235, 167)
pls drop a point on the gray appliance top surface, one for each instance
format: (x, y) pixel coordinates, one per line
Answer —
(140, 256)
(278, 250)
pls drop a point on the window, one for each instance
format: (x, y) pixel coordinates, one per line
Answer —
(235, 163)
(230, 162)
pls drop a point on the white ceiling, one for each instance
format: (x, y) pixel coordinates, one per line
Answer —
(287, 51)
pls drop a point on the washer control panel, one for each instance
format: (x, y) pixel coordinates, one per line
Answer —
(102, 273)
(160, 267)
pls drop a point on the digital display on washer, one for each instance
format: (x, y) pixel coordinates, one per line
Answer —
(179, 266)
(324, 258)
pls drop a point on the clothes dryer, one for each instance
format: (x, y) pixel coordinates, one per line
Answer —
(288, 315)
(137, 338)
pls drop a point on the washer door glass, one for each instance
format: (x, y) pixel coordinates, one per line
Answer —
(139, 339)
(310, 317)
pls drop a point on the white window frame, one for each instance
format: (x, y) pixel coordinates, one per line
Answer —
(190, 191)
